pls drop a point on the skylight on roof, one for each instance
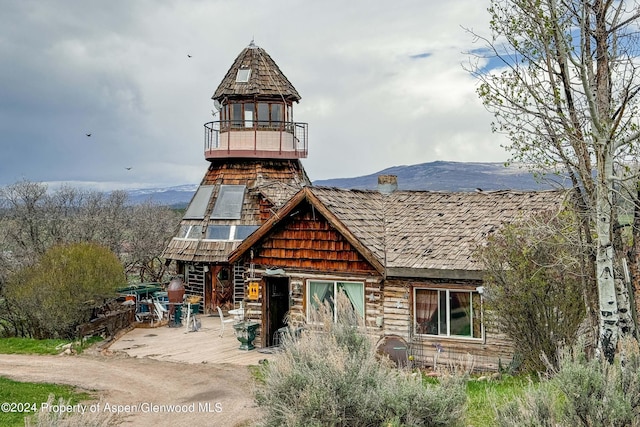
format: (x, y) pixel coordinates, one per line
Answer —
(243, 75)
(229, 202)
(199, 203)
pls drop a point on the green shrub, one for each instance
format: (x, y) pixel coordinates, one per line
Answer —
(534, 290)
(582, 393)
(62, 289)
(330, 376)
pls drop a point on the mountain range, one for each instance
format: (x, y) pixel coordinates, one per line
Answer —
(433, 176)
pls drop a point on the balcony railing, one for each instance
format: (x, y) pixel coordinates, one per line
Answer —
(254, 138)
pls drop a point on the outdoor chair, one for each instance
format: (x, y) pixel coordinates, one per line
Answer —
(223, 320)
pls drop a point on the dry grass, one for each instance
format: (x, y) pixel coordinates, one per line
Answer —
(55, 417)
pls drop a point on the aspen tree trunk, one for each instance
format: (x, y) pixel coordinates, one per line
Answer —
(607, 295)
(566, 96)
(634, 255)
(613, 295)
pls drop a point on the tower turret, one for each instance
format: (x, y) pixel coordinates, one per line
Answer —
(255, 102)
(254, 152)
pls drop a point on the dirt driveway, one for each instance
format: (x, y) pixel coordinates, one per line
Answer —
(207, 394)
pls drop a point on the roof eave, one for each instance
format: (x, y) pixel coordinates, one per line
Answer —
(266, 227)
(434, 273)
(305, 194)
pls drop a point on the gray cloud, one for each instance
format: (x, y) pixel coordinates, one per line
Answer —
(381, 86)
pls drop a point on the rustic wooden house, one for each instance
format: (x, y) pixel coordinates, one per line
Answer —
(403, 258)
(254, 153)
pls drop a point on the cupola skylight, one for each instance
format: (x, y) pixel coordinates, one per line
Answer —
(243, 75)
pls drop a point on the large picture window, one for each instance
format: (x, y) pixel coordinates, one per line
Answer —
(445, 312)
(321, 291)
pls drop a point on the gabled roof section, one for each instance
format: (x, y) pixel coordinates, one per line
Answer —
(435, 231)
(263, 79)
(275, 191)
(310, 195)
(417, 233)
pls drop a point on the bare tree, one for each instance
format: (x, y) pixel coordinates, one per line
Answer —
(33, 218)
(566, 94)
(23, 218)
(150, 230)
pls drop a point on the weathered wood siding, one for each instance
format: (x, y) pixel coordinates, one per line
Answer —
(487, 355)
(397, 309)
(480, 354)
(309, 242)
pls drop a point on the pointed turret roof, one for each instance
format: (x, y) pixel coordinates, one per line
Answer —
(265, 78)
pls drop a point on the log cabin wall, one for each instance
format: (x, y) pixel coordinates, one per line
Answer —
(484, 354)
(297, 316)
(397, 309)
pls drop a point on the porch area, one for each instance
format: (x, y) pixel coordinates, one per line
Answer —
(179, 345)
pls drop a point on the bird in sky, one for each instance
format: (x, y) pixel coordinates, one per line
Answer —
(129, 168)
(188, 56)
(88, 134)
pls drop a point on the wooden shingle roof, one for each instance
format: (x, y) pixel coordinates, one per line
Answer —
(265, 78)
(274, 180)
(421, 233)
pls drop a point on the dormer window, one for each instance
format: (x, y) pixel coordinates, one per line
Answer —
(243, 75)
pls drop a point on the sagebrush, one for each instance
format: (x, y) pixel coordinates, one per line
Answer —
(330, 375)
(582, 392)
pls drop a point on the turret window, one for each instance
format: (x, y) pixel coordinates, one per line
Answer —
(250, 115)
(236, 115)
(263, 114)
(276, 112)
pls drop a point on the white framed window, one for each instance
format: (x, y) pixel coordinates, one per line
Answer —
(244, 231)
(193, 232)
(321, 291)
(219, 232)
(184, 231)
(243, 74)
(448, 312)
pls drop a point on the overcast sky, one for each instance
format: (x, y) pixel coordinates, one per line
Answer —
(382, 85)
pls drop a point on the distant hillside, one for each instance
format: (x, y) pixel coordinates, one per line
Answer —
(446, 176)
(178, 196)
(434, 176)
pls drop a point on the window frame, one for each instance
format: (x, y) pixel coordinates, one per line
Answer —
(474, 294)
(228, 228)
(335, 283)
(186, 232)
(250, 114)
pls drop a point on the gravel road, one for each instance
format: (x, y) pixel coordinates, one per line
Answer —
(206, 394)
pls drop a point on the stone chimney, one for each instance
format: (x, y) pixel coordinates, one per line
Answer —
(387, 184)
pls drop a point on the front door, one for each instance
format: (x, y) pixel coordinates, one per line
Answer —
(276, 306)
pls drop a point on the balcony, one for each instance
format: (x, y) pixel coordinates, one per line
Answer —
(255, 139)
